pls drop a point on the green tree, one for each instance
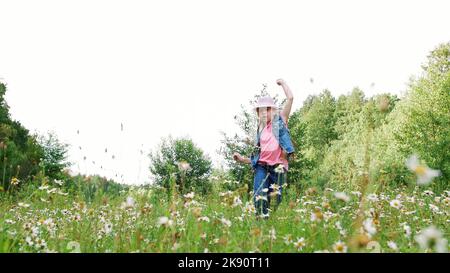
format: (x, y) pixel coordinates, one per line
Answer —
(20, 152)
(54, 159)
(180, 159)
(421, 123)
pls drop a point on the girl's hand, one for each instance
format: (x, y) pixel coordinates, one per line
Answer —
(237, 157)
(281, 82)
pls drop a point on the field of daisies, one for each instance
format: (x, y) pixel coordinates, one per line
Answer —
(148, 219)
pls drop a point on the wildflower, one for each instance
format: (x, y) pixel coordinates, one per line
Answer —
(272, 234)
(189, 195)
(129, 203)
(392, 245)
(340, 247)
(40, 243)
(225, 222)
(407, 230)
(288, 239)
(396, 204)
(23, 205)
(59, 182)
(279, 169)
(249, 208)
(428, 192)
(237, 201)
(424, 174)
(434, 208)
(372, 197)
(342, 196)
(369, 226)
(164, 221)
(446, 201)
(432, 238)
(50, 191)
(357, 193)
(316, 216)
(261, 197)
(276, 189)
(15, 181)
(43, 188)
(29, 241)
(204, 219)
(300, 243)
(107, 228)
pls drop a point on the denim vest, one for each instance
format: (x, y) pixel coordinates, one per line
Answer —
(281, 133)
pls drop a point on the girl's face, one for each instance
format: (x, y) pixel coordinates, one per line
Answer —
(264, 114)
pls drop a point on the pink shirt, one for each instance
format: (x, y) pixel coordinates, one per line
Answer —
(270, 148)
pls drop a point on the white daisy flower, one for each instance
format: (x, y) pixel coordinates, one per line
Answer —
(424, 174)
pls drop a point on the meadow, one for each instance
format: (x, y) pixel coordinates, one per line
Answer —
(47, 219)
(369, 175)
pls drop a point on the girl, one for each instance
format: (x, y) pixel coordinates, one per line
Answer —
(274, 146)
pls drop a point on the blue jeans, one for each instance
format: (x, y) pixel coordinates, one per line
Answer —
(267, 178)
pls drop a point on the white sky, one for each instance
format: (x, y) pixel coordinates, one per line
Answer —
(184, 67)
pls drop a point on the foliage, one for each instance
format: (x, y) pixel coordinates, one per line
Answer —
(180, 160)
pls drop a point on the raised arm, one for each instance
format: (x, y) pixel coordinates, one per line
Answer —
(289, 99)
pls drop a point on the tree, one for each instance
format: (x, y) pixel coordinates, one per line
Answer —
(20, 152)
(180, 159)
(54, 159)
(421, 123)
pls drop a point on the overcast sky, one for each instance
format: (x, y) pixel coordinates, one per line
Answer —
(184, 67)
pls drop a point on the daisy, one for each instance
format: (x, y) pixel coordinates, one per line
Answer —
(372, 197)
(300, 243)
(203, 219)
(237, 201)
(279, 169)
(225, 222)
(189, 195)
(129, 203)
(342, 196)
(424, 174)
(59, 182)
(340, 247)
(15, 181)
(396, 204)
(431, 237)
(164, 221)
(261, 197)
(23, 205)
(392, 245)
(369, 226)
(288, 239)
